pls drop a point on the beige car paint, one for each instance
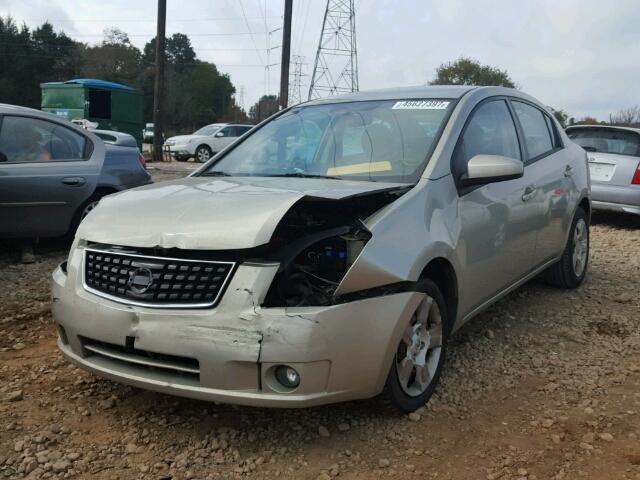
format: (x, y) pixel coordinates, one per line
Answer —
(342, 351)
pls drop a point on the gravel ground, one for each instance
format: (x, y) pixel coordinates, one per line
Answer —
(544, 385)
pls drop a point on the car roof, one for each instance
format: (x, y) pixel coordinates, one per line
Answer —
(424, 91)
(607, 127)
(14, 108)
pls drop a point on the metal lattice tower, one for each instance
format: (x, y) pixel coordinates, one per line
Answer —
(295, 79)
(336, 65)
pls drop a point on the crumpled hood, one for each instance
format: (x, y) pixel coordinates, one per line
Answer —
(209, 213)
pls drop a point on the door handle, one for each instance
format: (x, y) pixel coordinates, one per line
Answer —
(529, 193)
(568, 171)
(73, 181)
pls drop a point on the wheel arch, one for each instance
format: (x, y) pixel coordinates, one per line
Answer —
(441, 272)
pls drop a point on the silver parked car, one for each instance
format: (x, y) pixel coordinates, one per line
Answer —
(614, 163)
(205, 142)
(328, 254)
(52, 173)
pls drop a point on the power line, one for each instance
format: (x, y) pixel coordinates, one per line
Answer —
(129, 20)
(150, 35)
(253, 40)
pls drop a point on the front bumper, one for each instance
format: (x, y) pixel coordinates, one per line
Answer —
(341, 352)
(616, 198)
(180, 150)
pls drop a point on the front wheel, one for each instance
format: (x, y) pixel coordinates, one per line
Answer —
(420, 355)
(203, 153)
(570, 271)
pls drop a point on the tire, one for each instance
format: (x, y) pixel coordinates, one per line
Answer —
(84, 209)
(570, 271)
(409, 391)
(203, 154)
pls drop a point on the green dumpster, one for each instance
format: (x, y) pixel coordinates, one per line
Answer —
(111, 105)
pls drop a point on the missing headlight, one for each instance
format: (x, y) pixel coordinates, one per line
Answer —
(312, 275)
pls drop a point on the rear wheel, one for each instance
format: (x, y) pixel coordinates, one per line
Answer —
(420, 355)
(571, 270)
(203, 153)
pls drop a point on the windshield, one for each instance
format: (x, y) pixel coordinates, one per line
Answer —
(606, 140)
(208, 130)
(376, 141)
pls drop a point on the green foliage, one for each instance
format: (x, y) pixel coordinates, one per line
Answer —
(467, 71)
(264, 108)
(196, 93)
(561, 116)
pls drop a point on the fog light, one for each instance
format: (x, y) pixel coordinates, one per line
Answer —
(287, 376)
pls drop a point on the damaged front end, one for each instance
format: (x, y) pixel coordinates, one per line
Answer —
(316, 243)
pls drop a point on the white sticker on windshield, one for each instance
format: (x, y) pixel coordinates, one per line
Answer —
(420, 105)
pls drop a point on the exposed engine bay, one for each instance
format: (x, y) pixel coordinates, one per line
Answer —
(316, 242)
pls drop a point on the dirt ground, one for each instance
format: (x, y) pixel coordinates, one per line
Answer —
(544, 385)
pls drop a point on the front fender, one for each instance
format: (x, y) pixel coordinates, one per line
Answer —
(406, 235)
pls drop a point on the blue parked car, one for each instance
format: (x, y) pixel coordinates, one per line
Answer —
(52, 173)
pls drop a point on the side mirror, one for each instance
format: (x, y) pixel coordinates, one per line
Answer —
(483, 169)
(219, 134)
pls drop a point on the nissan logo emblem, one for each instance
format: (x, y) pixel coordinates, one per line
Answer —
(140, 280)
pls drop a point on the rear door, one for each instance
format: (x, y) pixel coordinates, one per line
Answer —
(47, 170)
(551, 168)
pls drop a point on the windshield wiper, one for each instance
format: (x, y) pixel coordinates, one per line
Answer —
(303, 175)
(215, 173)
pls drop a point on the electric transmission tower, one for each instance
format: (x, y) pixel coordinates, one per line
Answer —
(336, 65)
(295, 85)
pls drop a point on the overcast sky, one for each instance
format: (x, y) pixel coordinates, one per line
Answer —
(579, 55)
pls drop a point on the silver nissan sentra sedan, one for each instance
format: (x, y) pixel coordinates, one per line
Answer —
(328, 254)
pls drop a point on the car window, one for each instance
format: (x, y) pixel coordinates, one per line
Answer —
(226, 132)
(244, 130)
(207, 131)
(490, 131)
(385, 140)
(25, 139)
(535, 128)
(606, 140)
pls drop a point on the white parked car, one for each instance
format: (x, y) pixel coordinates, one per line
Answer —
(206, 142)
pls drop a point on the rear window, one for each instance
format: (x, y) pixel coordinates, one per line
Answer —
(606, 140)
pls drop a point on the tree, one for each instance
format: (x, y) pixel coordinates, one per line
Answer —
(115, 59)
(588, 121)
(561, 116)
(467, 71)
(263, 108)
(629, 117)
(29, 58)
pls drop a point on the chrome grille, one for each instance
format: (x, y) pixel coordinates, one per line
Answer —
(155, 281)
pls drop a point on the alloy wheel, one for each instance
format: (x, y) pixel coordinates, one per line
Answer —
(580, 247)
(419, 351)
(203, 155)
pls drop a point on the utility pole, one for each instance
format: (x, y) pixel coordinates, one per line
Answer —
(158, 89)
(286, 52)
